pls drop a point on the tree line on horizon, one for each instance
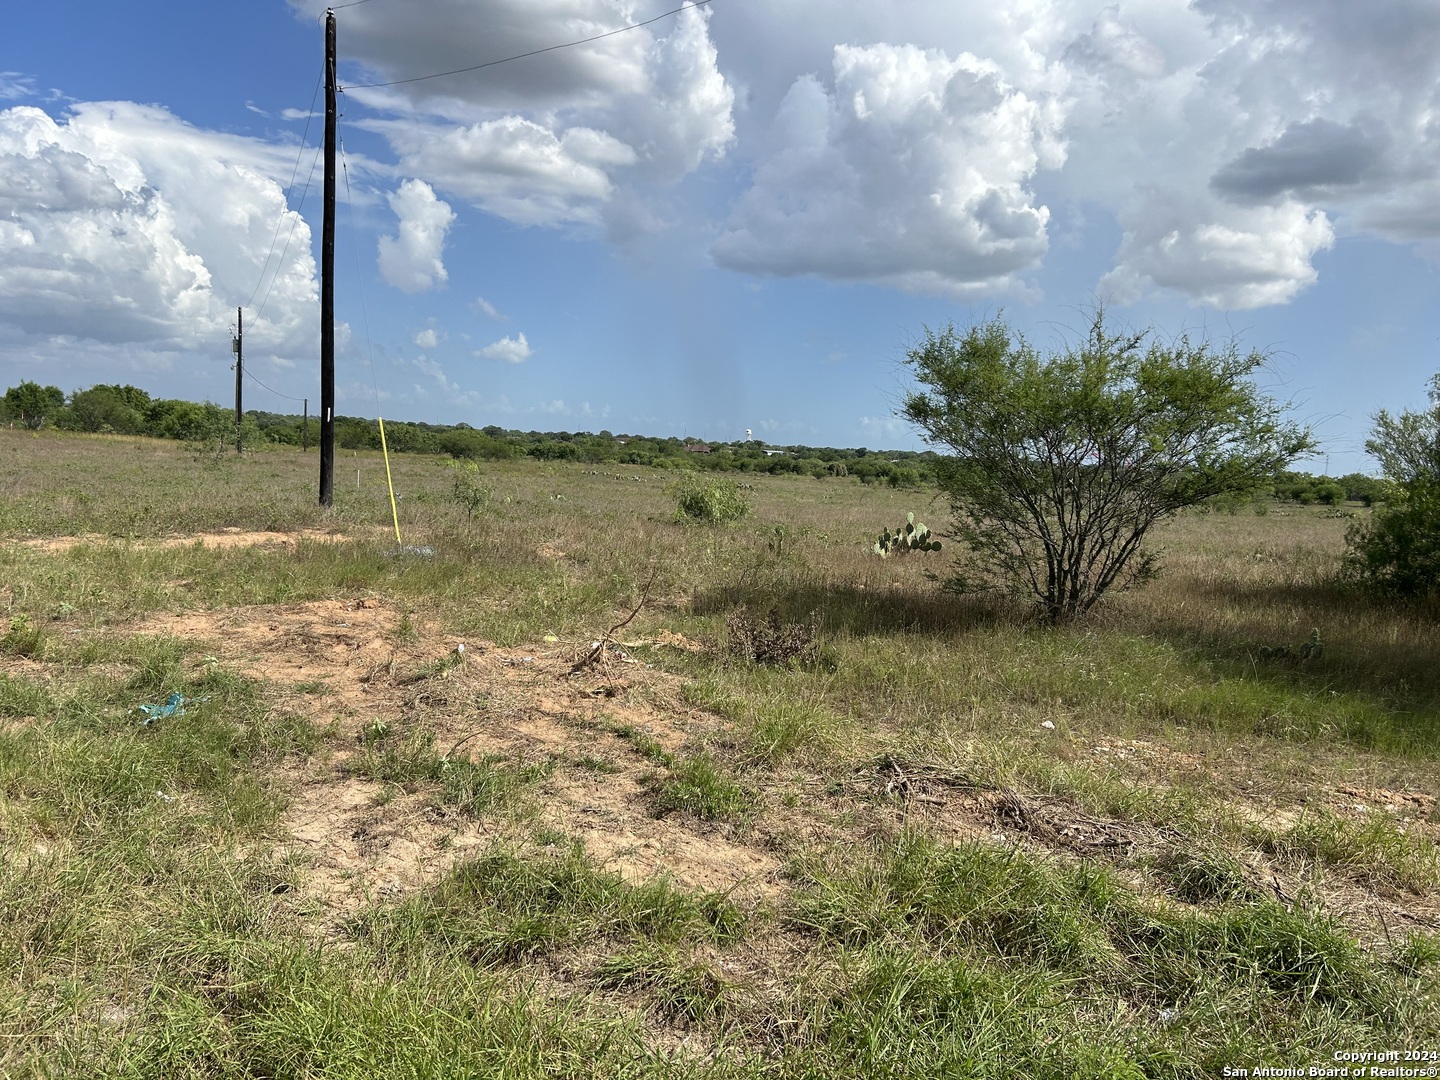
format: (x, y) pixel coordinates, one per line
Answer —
(129, 410)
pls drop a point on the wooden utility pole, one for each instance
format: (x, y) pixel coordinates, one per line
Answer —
(305, 428)
(239, 372)
(327, 281)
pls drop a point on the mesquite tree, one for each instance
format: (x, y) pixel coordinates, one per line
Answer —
(1063, 462)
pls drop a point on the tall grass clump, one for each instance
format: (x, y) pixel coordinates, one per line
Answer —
(710, 500)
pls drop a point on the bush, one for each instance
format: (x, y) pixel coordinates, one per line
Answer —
(551, 450)
(467, 490)
(1397, 552)
(710, 499)
(119, 409)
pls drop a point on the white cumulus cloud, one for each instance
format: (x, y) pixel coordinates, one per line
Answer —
(1234, 140)
(514, 167)
(514, 350)
(911, 171)
(412, 260)
(553, 142)
(1242, 257)
(109, 233)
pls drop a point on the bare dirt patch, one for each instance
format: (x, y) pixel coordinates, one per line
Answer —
(347, 664)
(331, 652)
(1408, 804)
(225, 538)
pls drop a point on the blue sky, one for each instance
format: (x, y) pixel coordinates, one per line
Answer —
(737, 217)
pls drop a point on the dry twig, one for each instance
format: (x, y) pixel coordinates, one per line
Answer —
(606, 642)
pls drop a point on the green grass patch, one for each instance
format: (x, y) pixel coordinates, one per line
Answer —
(505, 907)
(681, 988)
(700, 786)
(471, 786)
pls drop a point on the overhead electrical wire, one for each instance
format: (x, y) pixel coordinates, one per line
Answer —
(359, 273)
(251, 376)
(522, 56)
(348, 203)
(291, 236)
(299, 156)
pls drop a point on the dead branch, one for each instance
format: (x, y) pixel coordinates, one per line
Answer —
(598, 649)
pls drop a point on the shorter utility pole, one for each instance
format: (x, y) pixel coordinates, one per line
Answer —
(305, 429)
(239, 347)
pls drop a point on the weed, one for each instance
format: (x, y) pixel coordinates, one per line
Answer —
(1375, 849)
(644, 745)
(23, 638)
(1081, 921)
(503, 907)
(440, 667)
(467, 491)
(21, 697)
(476, 786)
(697, 786)
(596, 765)
(405, 632)
(1205, 877)
(473, 787)
(1418, 953)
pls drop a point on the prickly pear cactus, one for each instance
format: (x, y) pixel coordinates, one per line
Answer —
(912, 536)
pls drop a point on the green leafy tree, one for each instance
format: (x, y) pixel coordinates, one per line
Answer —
(1062, 463)
(108, 408)
(1367, 489)
(34, 404)
(1408, 446)
(1397, 552)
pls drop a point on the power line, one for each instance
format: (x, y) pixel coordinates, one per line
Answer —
(522, 56)
(251, 376)
(359, 274)
(299, 156)
(293, 223)
(353, 3)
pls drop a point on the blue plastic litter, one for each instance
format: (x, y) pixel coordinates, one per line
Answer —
(174, 706)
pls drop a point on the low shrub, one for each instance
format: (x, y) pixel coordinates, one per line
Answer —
(770, 640)
(711, 500)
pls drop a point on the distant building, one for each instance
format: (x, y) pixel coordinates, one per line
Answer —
(697, 448)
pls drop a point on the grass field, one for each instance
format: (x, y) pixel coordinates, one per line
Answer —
(443, 816)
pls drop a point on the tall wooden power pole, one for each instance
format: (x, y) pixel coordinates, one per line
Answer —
(239, 372)
(327, 282)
